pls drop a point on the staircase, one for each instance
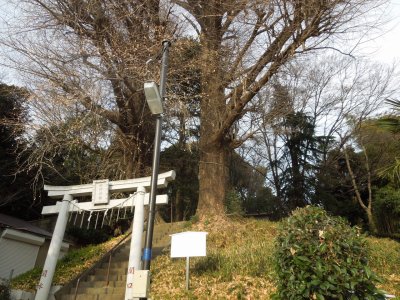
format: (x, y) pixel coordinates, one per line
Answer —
(94, 285)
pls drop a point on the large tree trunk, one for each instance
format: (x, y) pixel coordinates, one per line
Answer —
(135, 149)
(243, 45)
(213, 165)
(137, 133)
(213, 181)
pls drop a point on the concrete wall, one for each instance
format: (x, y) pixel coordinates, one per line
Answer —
(42, 254)
(18, 252)
(21, 251)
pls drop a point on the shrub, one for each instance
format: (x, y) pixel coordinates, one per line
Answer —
(387, 211)
(123, 225)
(233, 203)
(322, 257)
(84, 237)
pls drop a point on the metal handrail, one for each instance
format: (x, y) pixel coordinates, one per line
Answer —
(109, 253)
(76, 287)
(100, 261)
(108, 268)
(78, 278)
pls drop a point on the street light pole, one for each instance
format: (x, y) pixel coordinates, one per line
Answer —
(156, 164)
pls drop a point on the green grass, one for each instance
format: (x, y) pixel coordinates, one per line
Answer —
(385, 261)
(238, 265)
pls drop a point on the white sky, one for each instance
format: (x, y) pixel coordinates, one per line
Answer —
(385, 46)
(382, 45)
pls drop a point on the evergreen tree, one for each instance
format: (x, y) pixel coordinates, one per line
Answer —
(16, 196)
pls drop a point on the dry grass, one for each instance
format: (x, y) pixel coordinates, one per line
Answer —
(239, 263)
(385, 261)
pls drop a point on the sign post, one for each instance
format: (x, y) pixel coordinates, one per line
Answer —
(187, 272)
(188, 244)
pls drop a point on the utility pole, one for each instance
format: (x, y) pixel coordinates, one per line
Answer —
(147, 253)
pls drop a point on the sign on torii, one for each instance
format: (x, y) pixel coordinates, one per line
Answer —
(100, 191)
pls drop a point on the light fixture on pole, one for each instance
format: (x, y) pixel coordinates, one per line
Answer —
(153, 97)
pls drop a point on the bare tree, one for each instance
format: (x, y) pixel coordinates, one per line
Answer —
(374, 87)
(363, 134)
(93, 52)
(244, 44)
(328, 91)
(89, 57)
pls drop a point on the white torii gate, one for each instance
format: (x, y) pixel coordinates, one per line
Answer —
(100, 190)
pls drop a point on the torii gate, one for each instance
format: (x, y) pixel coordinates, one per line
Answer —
(100, 190)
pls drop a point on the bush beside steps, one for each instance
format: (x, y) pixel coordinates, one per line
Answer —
(321, 257)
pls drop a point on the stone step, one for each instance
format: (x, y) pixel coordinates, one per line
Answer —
(124, 251)
(100, 290)
(112, 271)
(122, 257)
(113, 277)
(94, 287)
(112, 297)
(79, 297)
(116, 262)
(93, 297)
(99, 287)
(118, 259)
(102, 283)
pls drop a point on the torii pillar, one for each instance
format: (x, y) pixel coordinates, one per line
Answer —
(49, 268)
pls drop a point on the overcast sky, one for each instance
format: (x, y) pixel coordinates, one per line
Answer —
(385, 47)
(382, 45)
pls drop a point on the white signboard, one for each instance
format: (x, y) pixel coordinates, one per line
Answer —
(188, 244)
(100, 192)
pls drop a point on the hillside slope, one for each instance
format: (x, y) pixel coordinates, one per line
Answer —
(239, 263)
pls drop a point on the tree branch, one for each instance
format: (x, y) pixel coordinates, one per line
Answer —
(353, 180)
